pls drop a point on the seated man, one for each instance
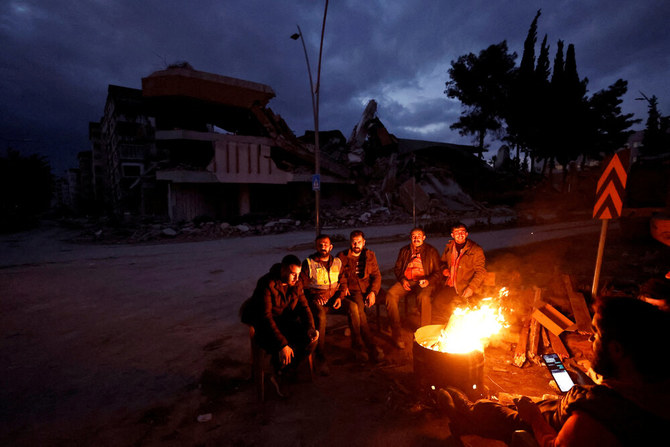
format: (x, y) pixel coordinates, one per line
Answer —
(280, 315)
(417, 269)
(628, 407)
(364, 281)
(322, 280)
(464, 267)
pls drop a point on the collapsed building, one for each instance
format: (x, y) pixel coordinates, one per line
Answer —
(191, 144)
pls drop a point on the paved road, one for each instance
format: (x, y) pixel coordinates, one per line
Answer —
(91, 327)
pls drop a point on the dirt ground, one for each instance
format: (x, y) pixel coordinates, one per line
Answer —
(114, 372)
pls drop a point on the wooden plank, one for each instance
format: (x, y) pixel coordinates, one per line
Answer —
(521, 345)
(558, 346)
(580, 310)
(552, 319)
(534, 341)
(546, 343)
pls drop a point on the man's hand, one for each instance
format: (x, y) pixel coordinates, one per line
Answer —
(315, 337)
(337, 303)
(370, 299)
(578, 376)
(405, 285)
(286, 355)
(346, 292)
(528, 410)
(467, 293)
(423, 283)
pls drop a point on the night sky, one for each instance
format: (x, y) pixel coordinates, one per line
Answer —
(58, 57)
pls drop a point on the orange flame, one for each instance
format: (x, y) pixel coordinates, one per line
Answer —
(470, 329)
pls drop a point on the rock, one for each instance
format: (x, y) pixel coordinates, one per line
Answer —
(169, 232)
(224, 226)
(243, 228)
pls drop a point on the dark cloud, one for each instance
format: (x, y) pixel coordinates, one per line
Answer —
(59, 56)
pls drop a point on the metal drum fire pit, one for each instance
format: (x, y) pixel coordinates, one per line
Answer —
(441, 369)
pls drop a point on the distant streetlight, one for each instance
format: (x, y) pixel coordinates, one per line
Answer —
(316, 181)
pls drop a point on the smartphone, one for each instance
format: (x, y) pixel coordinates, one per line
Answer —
(558, 372)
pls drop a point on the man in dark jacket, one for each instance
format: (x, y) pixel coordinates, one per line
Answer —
(463, 266)
(280, 315)
(363, 280)
(628, 406)
(417, 269)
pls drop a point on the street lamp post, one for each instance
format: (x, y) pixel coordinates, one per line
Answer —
(315, 109)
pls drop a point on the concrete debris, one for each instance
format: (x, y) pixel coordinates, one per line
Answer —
(169, 232)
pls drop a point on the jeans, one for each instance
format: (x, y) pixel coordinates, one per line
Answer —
(423, 300)
(320, 312)
(361, 336)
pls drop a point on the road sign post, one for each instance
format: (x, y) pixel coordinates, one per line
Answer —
(609, 203)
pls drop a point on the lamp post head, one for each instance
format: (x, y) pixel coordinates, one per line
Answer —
(295, 36)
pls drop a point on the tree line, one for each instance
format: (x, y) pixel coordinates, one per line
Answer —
(543, 111)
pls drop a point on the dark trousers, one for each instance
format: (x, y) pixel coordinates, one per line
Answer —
(444, 303)
(489, 419)
(361, 336)
(298, 339)
(320, 319)
(423, 299)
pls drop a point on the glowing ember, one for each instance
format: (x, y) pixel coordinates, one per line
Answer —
(469, 329)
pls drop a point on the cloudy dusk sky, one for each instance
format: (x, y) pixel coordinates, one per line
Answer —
(58, 57)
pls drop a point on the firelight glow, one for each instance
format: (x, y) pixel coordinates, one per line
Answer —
(469, 329)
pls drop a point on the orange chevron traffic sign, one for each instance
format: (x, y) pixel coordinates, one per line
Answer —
(610, 190)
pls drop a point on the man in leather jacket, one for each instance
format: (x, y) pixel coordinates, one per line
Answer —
(417, 269)
(280, 316)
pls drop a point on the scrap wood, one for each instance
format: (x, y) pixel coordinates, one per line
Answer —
(520, 351)
(552, 319)
(534, 341)
(546, 343)
(537, 296)
(558, 346)
(579, 308)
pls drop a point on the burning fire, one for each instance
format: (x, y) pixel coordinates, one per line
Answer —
(469, 329)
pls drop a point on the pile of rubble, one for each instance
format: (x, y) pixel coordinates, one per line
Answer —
(360, 214)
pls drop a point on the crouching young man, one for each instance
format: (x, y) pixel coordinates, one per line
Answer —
(283, 323)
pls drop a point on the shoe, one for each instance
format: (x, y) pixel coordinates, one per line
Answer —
(322, 366)
(361, 355)
(460, 399)
(377, 354)
(279, 386)
(446, 402)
